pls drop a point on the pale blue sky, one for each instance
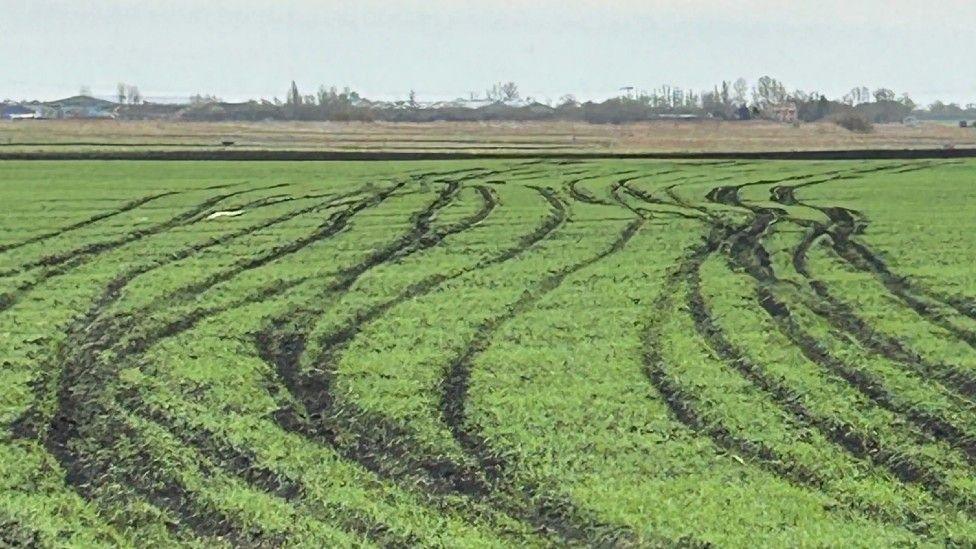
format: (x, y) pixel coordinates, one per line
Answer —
(249, 48)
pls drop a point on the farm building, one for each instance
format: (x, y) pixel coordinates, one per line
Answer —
(16, 112)
(82, 106)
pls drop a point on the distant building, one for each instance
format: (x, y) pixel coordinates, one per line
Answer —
(16, 112)
(81, 106)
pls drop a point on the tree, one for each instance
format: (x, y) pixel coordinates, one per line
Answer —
(740, 88)
(906, 100)
(294, 97)
(412, 100)
(135, 97)
(802, 96)
(120, 93)
(725, 94)
(323, 96)
(85, 90)
(857, 96)
(199, 99)
(494, 93)
(510, 91)
(502, 92)
(568, 100)
(883, 94)
(767, 92)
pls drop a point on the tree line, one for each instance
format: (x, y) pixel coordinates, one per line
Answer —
(767, 98)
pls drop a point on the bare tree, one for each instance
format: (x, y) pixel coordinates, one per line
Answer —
(568, 100)
(85, 90)
(120, 93)
(767, 92)
(133, 94)
(510, 91)
(884, 94)
(503, 92)
(740, 89)
(412, 100)
(858, 95)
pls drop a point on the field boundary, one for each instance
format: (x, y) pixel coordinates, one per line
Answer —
(321, 156)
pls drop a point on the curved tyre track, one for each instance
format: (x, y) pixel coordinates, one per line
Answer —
(684, 406)
(62, 263)
(391, 450)
(492, 466)
(381, 446)
(745, 250)
(128, 206)
(844, 318)
(739, 242)
(846, 223)
(84, 421)
(244, 464)
(68, 425)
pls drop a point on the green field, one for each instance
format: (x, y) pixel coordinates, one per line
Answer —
(488, 354)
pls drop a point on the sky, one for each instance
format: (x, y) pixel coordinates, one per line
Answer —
(239, 49)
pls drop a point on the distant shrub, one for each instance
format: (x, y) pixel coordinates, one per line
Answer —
(853, 121)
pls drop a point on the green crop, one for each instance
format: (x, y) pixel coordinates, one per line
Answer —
(488, 354)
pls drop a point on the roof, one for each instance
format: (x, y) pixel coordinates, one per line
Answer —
(83, 101)
(8, 110)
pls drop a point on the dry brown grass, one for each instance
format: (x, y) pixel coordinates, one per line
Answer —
(659, 136)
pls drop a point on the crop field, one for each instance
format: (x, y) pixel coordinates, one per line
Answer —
(488, 353)
(539, 138)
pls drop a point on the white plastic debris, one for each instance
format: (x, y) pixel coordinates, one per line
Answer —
(225, 213)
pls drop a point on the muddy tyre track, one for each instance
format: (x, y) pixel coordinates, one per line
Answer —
(685, 407)
(84, 377)
(567, 523)
(843, 317)
(82, 420)
(128, 206)
(59, 264)
(381, 446)
(845, 224)
(745, 251)
(247, 466)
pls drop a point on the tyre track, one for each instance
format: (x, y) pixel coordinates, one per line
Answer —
(64, 427)
(684, 406)
(62, 263)
(246, 465)
(845, 319)
(31, 422)
(495, 468)
(745, 251)
(748, 253)
(80, 406)
(382, 446)
(858, 444)
(128, 206)
(846, 223)
(736, 241)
